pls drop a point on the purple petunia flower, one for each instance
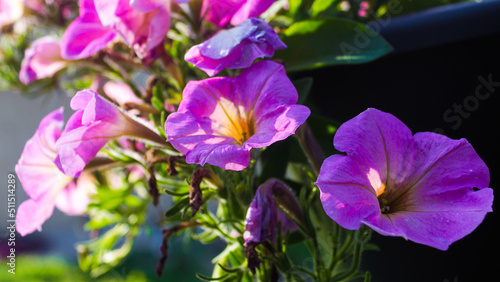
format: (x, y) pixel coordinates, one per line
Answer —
(263, 214)
(44, 183)
(222, 12)
(426, 188)
(95, 122)
(221, 119)
(235, 48)
(43, 59)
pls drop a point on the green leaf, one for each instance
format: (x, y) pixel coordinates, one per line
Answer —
(319, 6)
(323, 42)
(368, 277)
(229, 270)
(371, 247)
(206, 278)
(100, 255)
(157, 103)
(295, 238)
(294, 6)
(176, 194)
(103, 218)
(132, 201)
(177, 207)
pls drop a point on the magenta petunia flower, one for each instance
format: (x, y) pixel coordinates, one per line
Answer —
(235, 48)
(101, 20)
(10, 11)
(426, 188)
(142, 29)
(44, 183)
(86, 35)
(222, 12)
(221, 119)
(95, 122)
(43, 59)
(263, 213)
(145, 6)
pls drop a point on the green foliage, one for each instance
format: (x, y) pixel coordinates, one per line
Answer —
(320, 6)
(11, 54)
(118, 213)
(323, 42)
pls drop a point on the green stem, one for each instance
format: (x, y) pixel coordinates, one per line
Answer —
(319, 263)
(355, 263)
(216, 227)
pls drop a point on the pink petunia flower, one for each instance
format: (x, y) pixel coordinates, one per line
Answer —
(426, 188)
(101, 20)
(221, 119)
(86, 35)
(10, 11)
(235, 48)
(43, 59)
(140, 29)
(222, 12)
(95, 122)
(44, 183)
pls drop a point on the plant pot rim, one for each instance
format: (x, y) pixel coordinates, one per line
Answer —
(441, 25)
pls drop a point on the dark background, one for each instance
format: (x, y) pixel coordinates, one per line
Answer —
(436, 63)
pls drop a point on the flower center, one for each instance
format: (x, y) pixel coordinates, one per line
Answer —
(233, 121)
(394, 200)
(241, 129)
(391, 199)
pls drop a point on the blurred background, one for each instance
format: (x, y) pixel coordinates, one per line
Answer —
(440, 58)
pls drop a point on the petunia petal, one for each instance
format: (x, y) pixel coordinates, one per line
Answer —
(86, 35)
(444, 219)
(222, 12)
(32, 214)
(346, 192)
(235, 48)
(78, 146)
(43, 59)
(278, 125)
(95, 122)
(380, 140)
(445, 164)
(74, 198)
(249, 9)
(35, 168)
(141, 30)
